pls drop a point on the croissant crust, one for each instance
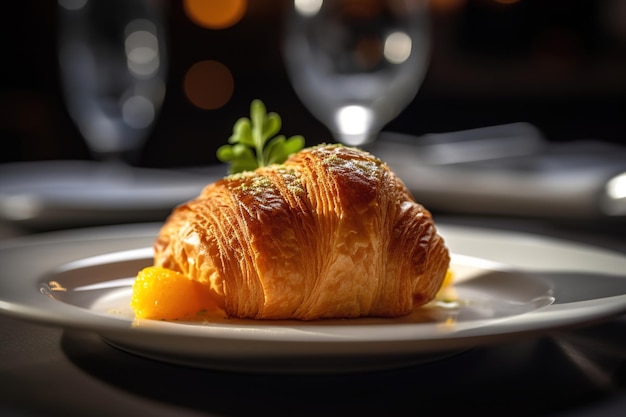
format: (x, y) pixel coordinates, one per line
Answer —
(330, 233)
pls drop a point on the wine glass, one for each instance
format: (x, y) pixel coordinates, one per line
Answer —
(356, 64)
(113, 69)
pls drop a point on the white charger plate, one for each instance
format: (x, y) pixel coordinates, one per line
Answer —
(508, 284)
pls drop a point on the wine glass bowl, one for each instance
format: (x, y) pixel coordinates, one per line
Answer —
(113, 70)
(356, 64)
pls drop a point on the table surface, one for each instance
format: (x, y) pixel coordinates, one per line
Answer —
(45, 371)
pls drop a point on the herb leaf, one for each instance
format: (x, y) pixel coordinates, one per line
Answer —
(253, 143)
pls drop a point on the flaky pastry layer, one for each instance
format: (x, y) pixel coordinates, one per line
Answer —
(331, 233)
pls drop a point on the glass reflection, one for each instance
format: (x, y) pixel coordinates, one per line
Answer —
(111, 56)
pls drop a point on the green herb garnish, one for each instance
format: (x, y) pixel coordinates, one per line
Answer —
(253, 143)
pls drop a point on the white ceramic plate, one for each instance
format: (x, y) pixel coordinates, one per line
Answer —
(508, 285)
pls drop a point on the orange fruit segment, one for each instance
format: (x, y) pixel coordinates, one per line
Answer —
(163, 294)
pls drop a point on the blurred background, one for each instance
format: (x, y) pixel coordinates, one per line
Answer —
(559, 64)
(549, 75)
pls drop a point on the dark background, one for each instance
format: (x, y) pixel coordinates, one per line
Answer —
(559, 64)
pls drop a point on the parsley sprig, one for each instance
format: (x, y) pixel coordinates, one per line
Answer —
(254, 142)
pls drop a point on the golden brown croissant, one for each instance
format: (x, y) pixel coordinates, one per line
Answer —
(330, 233)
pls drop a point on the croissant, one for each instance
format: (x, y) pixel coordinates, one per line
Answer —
(330, 233)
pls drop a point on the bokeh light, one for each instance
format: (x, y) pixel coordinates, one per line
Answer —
(208, 84)
(398, 47)
(142, 48)
(355, 122)
(215, 14)
(308, 7)
(138, 112)
(616, 187)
